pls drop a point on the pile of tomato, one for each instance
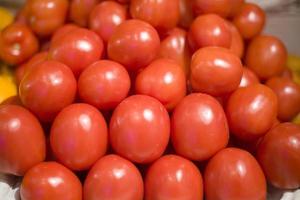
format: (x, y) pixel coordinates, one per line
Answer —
(154, 100)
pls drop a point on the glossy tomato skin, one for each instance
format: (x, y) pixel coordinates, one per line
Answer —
(50, 180)
(80, 11)
(113, 178)
(278, 155)
(186, 13)
(23, 140)
(136, 39)
(199, 127)
(251, 111)
(218, 7)
(248, 78)
(230, 173)
(140, 129)
(105, 17)
(164, 80)
(47, 89)
(237, 42)
(62, 31)
(104, 84)
(78, 49)
(215, 70)
(17, 44)
(209, 30)
(288, 94)
(173, 177)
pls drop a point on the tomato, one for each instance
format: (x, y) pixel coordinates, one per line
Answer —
(13, 100)
(173, 177)
(288, 94)
(186, 16)
(236, 6)
(249, 20)
(278, 154)
(134, 44)
(221, 8)
(112, 178)
(77, 49)
(50, 180)
(209, 30)
(45, 16)
(47, 89)
(80, 11)
(248, 78)
(199, 127)
(164, 80)
(251, 111)
(21, 17)
(287, 73)
(234, 174)
(62, 31)
(105, 17)
(237, 42)
(215, 70)
(104, 84)
(139, 129)
(22, 140)
(17, 44)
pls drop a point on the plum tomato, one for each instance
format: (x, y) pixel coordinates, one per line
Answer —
(22, 140)
(216, 71)
(47, 89)
(234, 174)
(134, 44)
(251, 111)
(112, 178)
(17, 44)
(199, 127)
(248, 78)
(50, 180)
(186, 13)
(62, 31)
(140, 129)
(80, 11)
(173, 177)
(237, 42)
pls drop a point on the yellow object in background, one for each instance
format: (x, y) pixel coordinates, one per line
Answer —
(293, 63)
(6, 17)
(8, 87)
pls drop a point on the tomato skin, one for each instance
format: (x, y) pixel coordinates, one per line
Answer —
(112, 178)
(199, 127)
(23, 140)
(140, 129)
(237, 42)
(48, 181)
(47, 89)
(173, 177)
(186, 13)
(221, 8)
(17, 44)
(80, 11)
(215, 70)
(62, 31)
(251, 111)
(248, 78)
(230, 173)
(138, 40)
(282, 170)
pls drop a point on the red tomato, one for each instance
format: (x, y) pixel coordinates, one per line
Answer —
(234, 174)
(134, 44)
(80, 11)
(251, 111)
(78, 49)
(17, 44)
(266, 56)
(278, 154)
(287, 73)
(173, 177)
(216, 71)
(22, 140)
(248, 78)
(13, 100)
(47, 89)
(49, 181)
(236, 5)
(209, 30)
(199, 127)
(105, 17)
(288, 94)
(140, 129)
(113, 178)
(237, 43)
(21, 16)
(186, 13)
(62, 31)
(221, 8)
(164, 80)
(104, 84)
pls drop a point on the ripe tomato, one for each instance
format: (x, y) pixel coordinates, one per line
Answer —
(251, 111)
(237, 42)
(62, 31)
(50, 180)
(80, 11)
(199, 127)
(234, 174)
(22, 140)
(17, 44)
(218, 7)
(236, 6)
(215, 70)
(186, 16)
(278, 154)
(173, 177)
(47, 89)
(134, 44)
(112, 178)
(248, 78)
(140, 129)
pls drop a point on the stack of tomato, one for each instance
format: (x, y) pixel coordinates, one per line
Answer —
(155, 100)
